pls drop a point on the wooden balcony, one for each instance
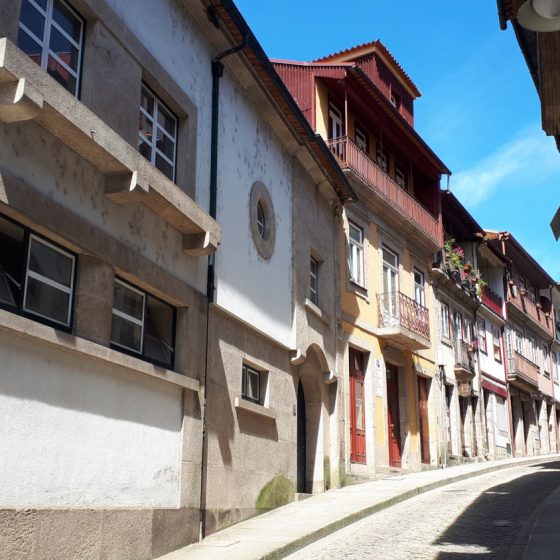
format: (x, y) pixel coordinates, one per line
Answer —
(353, 158)
(464, 362)
(524, 307)
(492, 300)
(403, 320)
(522, 371)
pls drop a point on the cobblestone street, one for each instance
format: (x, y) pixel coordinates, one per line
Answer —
(480, 516)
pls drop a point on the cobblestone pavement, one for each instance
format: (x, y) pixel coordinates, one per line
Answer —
(477, 517)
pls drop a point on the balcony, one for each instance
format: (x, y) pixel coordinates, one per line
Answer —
(403, 320)
(525, 308)
(523, 371)
(464, 368)
(353, 158)
(492, 301)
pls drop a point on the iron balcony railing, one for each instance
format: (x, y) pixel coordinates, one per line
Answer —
(352, 157)
(492, 300)
(397, 310)
(463, 358)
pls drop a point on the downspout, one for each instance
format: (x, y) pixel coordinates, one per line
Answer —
(217, 73)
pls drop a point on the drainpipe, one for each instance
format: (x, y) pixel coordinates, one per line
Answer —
(217, 73)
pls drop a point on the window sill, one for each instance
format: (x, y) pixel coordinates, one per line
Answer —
(358, 289)
(447, 341)
(254, 408)
(37, 332)
(310, 306)
(130, 178)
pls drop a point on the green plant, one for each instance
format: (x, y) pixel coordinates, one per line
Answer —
(454, 255)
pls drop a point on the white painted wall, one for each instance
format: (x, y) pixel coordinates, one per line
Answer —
(74, 433)
(253, 289)
(487, 362)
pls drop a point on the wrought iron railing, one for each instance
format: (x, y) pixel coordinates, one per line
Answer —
(397, 310)
(348, 153)
(463, 358)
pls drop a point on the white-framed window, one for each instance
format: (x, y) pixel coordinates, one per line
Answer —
(468, 326)
(545, 358)
(445, 331)
(251, 384)
(335, 122)
(157, 133)
(501, 419)
(482, 345)
(534, 350)
(496, 343)
(458, 326)
(36, 276)
(52, 33)
(314, 280)
(356, 253)
(555, 365)
(519, 342)
(143, 324)
(419, 288)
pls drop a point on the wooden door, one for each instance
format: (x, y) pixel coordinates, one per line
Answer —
(393, 417)
(357, 409)
(424, 425)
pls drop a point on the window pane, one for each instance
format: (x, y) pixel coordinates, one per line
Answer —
(67, 20)
(359, 407)
(355, 234)
(64, 49)
(29, 46)
(165, 145)
(145, 126)
(61, 75)
(253, 384)
(144, 148)
(129, 301)
(147, 101)
(390, 258)
(32, 19)
(47, 301)
(158, 334)
(52, 264)
(164, 167)
(127, 334)
(166, 120)
(11, 261)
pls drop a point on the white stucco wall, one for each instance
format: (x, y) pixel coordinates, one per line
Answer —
(74, 433)
(487, 362)
(256, 290)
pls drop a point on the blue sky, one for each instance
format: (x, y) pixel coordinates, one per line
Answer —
(479, 109)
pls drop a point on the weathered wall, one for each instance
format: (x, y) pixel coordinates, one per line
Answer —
(116, 437)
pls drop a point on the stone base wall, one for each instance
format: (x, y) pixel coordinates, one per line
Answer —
(95, 534)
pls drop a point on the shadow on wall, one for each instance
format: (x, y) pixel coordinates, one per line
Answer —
(490, 525)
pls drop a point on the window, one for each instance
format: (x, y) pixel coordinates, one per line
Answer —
(519, 342)
(458, 325)
(51, 33)
(261, 216)
(401, 177)
(143, 325)
(382, 158)
(314, 281)
(546, 364)
(261, 219)
(251, 384)
(445, 320)
(36, 276)
(419, 290)
(496, 344)
(482, 336)
(396, 100)
(362, 139)
(533, 294)
(157, 133)
(555, 364)
(534, 346)
(501, 419)
(356, 254)
(468, 326)
(335, 122)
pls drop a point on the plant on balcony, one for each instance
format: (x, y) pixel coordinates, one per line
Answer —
(479, 282)
(467, 267)
(454, 256)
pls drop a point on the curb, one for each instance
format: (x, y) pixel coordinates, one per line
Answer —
(334, 526)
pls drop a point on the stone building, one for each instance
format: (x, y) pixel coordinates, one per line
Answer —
(149, 388)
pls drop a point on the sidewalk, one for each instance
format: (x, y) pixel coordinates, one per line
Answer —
(282, 531)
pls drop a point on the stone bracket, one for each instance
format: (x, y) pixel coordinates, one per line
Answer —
(19, 101)
(199, 244)
(123, 187)
(330, 377)
(297, 357)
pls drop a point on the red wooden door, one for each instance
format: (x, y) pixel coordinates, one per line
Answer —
(393, 418)
(424, 426)
(357, 411)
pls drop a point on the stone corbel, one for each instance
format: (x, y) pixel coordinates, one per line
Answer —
(199, 244)
(123, 187)
(297, 357)
(19, 101)
(330, 377)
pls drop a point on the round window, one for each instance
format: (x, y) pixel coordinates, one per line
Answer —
(263, 223)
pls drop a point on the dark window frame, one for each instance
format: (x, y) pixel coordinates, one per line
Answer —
(245, 371)
(19, 309)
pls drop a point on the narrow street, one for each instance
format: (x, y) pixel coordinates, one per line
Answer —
(480, 517)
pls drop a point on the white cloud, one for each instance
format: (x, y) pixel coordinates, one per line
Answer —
(525, 161)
